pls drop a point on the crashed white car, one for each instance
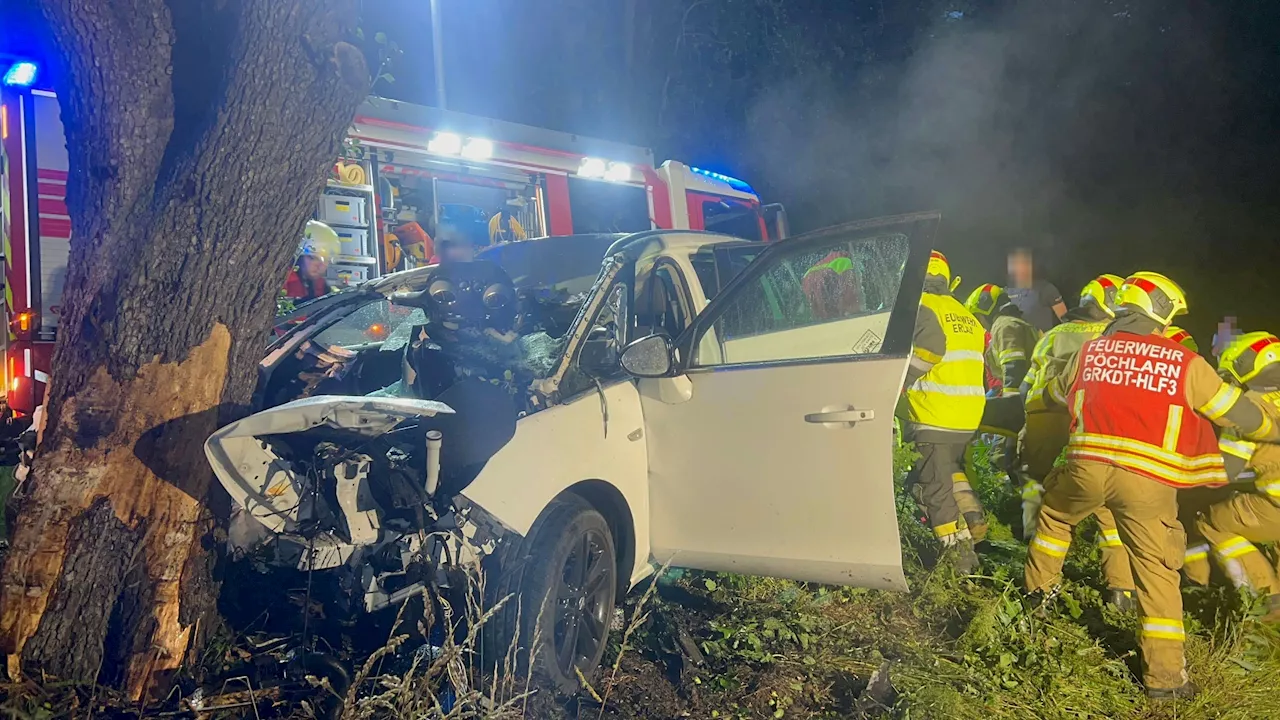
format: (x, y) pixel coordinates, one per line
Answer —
(704, 401)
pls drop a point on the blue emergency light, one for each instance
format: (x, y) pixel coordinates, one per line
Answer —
(21, 74)
(732, 182)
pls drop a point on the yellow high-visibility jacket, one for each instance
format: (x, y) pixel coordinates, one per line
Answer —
(949, 396)
(1052, 353)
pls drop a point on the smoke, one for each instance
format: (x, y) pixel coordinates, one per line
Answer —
(1091, 131)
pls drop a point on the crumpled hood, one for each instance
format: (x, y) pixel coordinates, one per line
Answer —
(263, 483)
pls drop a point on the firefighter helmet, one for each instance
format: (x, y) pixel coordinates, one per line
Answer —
(938, 265)
(1247, 355)
(986, 299)
(1182, 337)
(1153, 295)
(320, 241)
(1101, 293)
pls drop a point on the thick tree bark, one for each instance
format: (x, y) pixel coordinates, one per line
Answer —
(199, 133)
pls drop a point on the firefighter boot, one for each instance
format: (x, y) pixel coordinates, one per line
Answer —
(962, 556)
(1186, 691)
(1122, 600)
(975, 518)
(1041, 602)
(966, 559)
(1273, 609)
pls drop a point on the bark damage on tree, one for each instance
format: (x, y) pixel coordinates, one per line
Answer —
(199, 135)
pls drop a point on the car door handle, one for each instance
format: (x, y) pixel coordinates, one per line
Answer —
(840, 416)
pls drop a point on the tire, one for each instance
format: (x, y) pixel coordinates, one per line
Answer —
(576, 599)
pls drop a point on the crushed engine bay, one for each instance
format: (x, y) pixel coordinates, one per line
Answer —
(363, 488)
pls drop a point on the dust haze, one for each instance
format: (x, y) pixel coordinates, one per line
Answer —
(1090, 132)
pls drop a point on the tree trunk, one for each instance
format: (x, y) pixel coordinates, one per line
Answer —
(199, 136)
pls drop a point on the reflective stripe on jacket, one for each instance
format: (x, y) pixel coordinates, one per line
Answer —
(1263, 459)
(1129, 408)
(950, 395)
(1012, 342)
(1052, 354)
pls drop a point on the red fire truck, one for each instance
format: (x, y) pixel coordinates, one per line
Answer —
(415, 163)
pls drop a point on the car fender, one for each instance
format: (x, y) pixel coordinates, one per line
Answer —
(598, 437)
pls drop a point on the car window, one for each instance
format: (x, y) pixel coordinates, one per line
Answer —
(377, 322)
(660, 307)
(731, 218)
(716, 266)
(597, 356)
(829, 300)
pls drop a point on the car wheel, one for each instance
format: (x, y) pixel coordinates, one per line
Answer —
(568, 567)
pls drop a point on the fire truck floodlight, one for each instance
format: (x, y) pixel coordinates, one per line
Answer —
(21, 74)
(477, 149)
(592, 168)
(618, 172)
(445, 143)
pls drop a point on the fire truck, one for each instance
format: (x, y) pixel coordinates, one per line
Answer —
(403, 164)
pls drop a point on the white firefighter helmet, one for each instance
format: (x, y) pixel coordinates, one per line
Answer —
(320, 241)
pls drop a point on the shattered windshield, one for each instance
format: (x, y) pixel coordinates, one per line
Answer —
(553, 277)
(379, 322)
(565, 266)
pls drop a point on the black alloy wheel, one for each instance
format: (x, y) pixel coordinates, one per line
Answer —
(567, 569)
(584, 602)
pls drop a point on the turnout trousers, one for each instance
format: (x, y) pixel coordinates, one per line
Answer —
(932, 483)
(1042, 442)
(1191, 503)
(1231, 527)
(1146, 516)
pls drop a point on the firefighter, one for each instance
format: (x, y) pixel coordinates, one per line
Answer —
(1193, 501)
(1012, 338)
(832, 287)
(1231, 526)
(943, 406)
(1047, 430)
(1141, 407)
(307, 281)
(1008, 356)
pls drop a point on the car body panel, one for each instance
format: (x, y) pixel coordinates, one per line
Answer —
(739, 482)
(743, 478)
(564, 445)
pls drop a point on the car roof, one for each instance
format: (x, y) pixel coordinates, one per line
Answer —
(636, 244)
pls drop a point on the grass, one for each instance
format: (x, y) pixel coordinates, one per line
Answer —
(731, 646)
(964, 647)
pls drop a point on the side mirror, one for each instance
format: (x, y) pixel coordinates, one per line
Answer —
(648, 357)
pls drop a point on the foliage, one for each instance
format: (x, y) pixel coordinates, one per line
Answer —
(957, 647)
(284, 303)
(965, 646)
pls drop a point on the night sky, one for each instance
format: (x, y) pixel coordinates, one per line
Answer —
(1110, 136)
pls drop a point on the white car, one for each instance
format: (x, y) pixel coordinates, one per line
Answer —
(703, 401)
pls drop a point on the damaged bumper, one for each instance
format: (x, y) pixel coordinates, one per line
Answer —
(349, 484)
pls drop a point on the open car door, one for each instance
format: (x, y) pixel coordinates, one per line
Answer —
(771, 449)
